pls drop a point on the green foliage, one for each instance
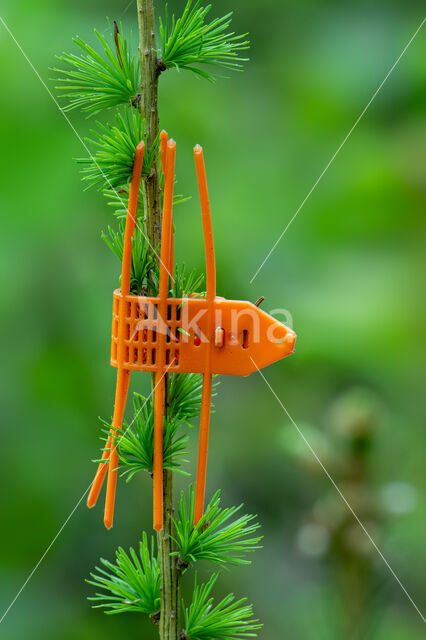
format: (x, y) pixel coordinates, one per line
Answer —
(136, 449)
(190, 41)
(93, 82)
(131, 584)
(136, 445)
(115, 146)
(186, 282)
(119, 199)
(212, 539)
(144, 276)
(185, 396)
(230, 619)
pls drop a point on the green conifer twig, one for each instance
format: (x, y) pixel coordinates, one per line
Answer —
(150, 582)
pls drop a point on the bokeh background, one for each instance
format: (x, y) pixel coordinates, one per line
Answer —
(350, 270)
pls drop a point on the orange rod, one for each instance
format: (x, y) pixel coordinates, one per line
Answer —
(163, 145)
(172, 256)
(158, 449)
(211, 294)
(132, 210)
(167, 223)
(207, 222)
(163, 154)
(123, 384)
(103, 466)
(162, 329)
(122, 387)
(203, 447)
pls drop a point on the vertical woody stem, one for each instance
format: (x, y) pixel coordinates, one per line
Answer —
(170, 613)
(170, 620)
(149, 111)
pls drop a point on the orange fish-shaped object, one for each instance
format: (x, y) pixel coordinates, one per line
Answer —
(207, 335)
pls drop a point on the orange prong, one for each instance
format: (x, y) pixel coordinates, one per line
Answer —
(111, 488)
(166, 236)
(132, 211)
(203, 444)
(158, 451)
(167, 225)
(211, 294)
(207, 222)
(163, 153)
(123, 377)
(172, 254)
(163, 147)
(100, 475)
(103, 466)
(122, 388)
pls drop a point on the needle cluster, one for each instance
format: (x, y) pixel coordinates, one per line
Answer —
(218, 537)
(95, 81)
(190, 41)
(229, 619)
(132, 583)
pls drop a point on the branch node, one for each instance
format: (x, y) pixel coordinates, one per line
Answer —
(155, 617)
(160, 66)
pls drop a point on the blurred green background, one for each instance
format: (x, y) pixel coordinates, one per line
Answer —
(350, 270)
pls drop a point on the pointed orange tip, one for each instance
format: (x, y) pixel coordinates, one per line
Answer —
(198, 148)
(108, 523)
(140, 147)
(171, 143)
(158, 526)
(164, 135)
(91, 502)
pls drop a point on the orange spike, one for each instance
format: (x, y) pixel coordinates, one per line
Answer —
(111, 488)
(167, 223)
(163, 147)
(132, 211)
(172, 239)
(122, 375)
(211, 294)
(122, 387)
(158, 450)
(163, 153)
(203, 447)
(207, 222)
(98, 481)
(162, 319)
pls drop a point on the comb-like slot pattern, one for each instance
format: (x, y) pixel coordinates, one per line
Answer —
(140, 332)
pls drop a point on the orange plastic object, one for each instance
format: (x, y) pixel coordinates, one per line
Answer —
(123, 375)
(208, 335)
